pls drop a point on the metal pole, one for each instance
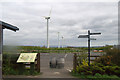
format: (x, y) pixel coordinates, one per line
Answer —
(58, 40)
(89, 47)
(1, 49)
(47, 34)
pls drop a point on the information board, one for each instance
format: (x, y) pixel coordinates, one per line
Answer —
(27, 57)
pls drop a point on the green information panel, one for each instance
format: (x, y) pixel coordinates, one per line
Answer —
(27, 57)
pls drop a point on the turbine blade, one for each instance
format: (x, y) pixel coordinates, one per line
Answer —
(50, 11)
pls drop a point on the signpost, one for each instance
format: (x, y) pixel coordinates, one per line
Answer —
(83, 36)
(88, 36)
(92, 39)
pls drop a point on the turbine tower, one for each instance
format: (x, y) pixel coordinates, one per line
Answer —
(62, 41)
(47, 18)
(58, 40)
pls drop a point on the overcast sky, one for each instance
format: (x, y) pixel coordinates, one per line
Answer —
(70, 18)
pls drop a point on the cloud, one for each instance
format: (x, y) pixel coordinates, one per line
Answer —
(68, 18)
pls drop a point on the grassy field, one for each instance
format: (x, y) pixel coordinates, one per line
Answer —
(38, 49)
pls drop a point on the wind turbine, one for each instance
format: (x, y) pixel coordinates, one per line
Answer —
(47, 18)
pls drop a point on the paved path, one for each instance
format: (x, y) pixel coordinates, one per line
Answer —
(53, 72)
(56, 73)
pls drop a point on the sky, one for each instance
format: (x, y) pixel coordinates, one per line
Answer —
(70, 17)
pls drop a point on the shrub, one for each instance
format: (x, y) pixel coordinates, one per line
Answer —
(84, 70)
(88, 73)
(85, 62)
(112, 57)
(81, 57)
(90, 70)
(97, 69)
(105, 60)
(109, 70)
(7, 70)
(115, 53)
(80, 69)
(98, 75)
(112, 70)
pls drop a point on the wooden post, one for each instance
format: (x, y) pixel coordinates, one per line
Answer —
(38, 62)
(31, 68)
(1, 49)
(75, 62)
